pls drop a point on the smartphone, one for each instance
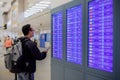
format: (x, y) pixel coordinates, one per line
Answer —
(48, 48)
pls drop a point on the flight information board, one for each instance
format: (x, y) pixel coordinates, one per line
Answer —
(74, 34)
(57, 35)
(101, 35)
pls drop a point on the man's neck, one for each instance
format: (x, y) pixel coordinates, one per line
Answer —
(28, 36)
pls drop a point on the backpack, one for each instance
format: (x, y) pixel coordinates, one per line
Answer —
(13, 57)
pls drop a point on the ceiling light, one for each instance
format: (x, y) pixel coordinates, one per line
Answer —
(42, 5)
(45, 2)
(37, 8)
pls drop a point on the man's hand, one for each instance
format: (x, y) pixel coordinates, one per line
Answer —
(45, 51)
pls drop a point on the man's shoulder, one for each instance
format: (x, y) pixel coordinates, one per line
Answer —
(29, 42)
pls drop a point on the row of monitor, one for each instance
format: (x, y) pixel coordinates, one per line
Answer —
(100, 34)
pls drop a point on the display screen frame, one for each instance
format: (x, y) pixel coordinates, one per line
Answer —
(99, 68)
(93, 70)
(53, 55)
(81, 57)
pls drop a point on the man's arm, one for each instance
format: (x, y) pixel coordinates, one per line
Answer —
(35, 51)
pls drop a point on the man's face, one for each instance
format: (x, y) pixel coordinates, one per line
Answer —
(31, 32)
(8, 37)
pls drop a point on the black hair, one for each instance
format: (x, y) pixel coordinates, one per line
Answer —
(26, 28)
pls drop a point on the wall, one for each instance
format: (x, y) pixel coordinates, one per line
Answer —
(1, 19)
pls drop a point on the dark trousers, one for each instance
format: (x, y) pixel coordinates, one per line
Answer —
(25, 76)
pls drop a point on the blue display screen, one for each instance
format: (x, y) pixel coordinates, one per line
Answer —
(57, 35)
(74, 34)
(42, 40)
(101, 35)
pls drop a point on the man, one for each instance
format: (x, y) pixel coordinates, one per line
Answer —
(30, 54)
(8, 43)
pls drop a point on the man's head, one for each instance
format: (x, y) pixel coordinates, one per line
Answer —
(8, 37)
(28, 31)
